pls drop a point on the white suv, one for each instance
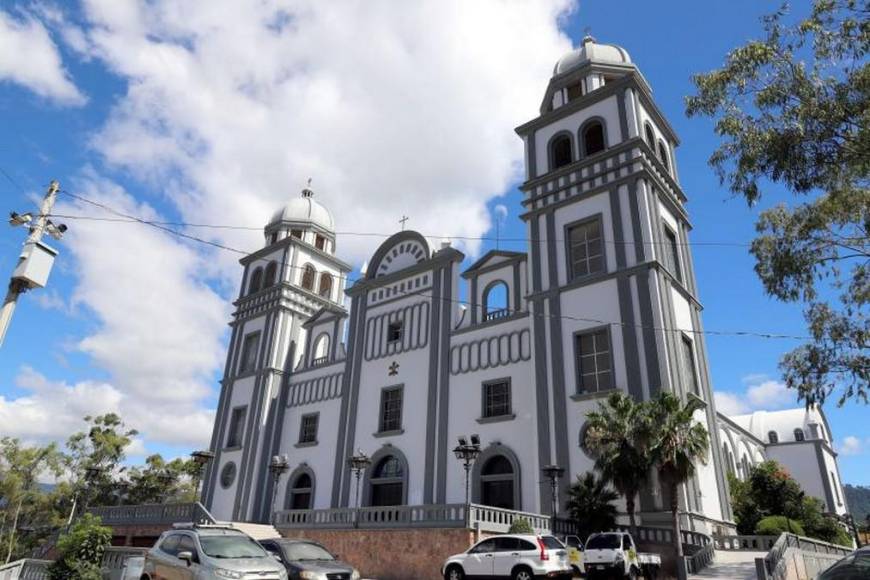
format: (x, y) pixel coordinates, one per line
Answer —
(521, 557)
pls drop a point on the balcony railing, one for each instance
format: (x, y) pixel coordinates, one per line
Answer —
(157, 514)
(496, 314)
(483, 518)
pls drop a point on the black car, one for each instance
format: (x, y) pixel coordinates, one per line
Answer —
(855, 566)
(306, 560)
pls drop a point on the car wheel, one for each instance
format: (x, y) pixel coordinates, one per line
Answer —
(454, 573)
(522, 573)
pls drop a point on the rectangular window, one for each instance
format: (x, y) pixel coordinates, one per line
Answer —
(593, 361)
(690, 376)
(585, 249)
(320, 242)
(237, 427)
(296, 234)
(250, 346)
(497, 398)
(672, 254)
(391, 409)
(394, 331)
(308, 428)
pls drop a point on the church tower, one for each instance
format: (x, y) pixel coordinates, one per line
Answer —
(613, 293)
(285, 283)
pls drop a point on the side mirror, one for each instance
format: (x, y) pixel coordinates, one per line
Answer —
(186, 556)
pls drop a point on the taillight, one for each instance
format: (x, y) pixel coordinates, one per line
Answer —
(544, 554)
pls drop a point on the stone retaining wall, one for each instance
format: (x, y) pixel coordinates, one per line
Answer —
(398, 554)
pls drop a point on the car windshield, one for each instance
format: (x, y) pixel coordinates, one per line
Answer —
(302, 551)
(603, 542)
(231, 547)
(852, 567)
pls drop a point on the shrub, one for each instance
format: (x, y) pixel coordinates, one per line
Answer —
(521, 526)
(80, 550)
(775, 525)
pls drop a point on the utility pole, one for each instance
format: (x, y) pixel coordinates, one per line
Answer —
(36, 258)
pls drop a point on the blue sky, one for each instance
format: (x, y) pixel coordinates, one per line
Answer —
(140, 112)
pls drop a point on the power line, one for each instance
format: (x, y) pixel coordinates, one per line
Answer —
(387, 235)
(741, 333)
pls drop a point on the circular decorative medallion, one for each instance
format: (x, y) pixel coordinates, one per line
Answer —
(228, 474)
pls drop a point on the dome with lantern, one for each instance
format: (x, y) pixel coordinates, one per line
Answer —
(591, 51)
(303, 211)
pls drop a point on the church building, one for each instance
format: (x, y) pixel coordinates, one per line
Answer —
(397, 366)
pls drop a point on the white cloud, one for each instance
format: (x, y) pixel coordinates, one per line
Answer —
(729, 403)
(30, 58)
(761, 393)
(53, 410)
(850, 445)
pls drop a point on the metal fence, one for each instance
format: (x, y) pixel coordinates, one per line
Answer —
(27, 569)
(156, 514)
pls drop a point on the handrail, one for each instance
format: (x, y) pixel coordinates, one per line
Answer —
(158, 514)
(700, 559)
(774, 561)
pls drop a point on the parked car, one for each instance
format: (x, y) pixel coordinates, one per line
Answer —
(575, 553)
(855, 566)
(306, 560)
(516, 556)
(133, 567)
(611, 554)
(209, 552)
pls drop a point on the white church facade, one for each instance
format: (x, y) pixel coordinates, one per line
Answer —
(401, 362)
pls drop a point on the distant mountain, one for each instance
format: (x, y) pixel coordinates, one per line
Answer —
(858, 498)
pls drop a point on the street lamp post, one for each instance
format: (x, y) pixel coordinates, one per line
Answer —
(467, 453)
(358, 463)
(201, 459)
(554, 473)
(277, 467)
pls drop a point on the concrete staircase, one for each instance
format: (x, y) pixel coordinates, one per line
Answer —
(256, 531)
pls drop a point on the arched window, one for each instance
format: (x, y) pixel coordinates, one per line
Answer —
(663, 155)
(798, 434)
(593, 138)
(495, 301)
(773, 437)
(497, 483)
(387, 482)
(269, 278)
(308, 274)
(649, 135)
(300, 490)
(321, 349)
(561, 152)
(256, 281)
(325, 289)
(745, 463)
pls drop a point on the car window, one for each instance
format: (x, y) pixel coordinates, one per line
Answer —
(603, 542)
(506, 544)
(626, 543)
(525, 545)
(234, 546)
(302, 551)
(574, 542)
(186, 544)
(169, 545)
(483, 547)
(552, 543)
(853, 567)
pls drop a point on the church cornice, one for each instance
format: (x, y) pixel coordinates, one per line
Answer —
(438, 259)
(341, 265)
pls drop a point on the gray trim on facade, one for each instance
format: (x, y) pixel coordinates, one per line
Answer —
(444, 388)
(518, 289)
(629, 339)
(623, 117)
(826, 482)
(472, 294)
(352, 375)
(432, 392)
(315, 390)
(507, 348)
(650, 341)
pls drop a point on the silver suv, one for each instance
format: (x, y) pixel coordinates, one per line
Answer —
(516, 556)
(209, 553)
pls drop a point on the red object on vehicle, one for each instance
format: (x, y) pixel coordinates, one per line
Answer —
(544, 554)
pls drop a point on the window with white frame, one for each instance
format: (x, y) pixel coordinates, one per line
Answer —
(391, 410)
(690, 374)
(497, 398)
(594, 363)
(250, 346)
(585, 249)
(308, 428)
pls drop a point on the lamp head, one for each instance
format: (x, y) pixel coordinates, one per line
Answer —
(475, 439)
(462, 441)
(19, 219)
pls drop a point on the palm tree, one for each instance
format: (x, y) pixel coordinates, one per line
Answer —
(590, 503)
(678, 443)
(617, 436)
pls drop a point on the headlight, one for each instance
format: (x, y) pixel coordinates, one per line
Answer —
(354, 575)
(224, 573)
(309, 575)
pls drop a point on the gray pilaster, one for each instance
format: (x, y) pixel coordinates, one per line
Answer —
(444, 386)
(473, 297)
(432, 396)
(355, 347)
(518, 288)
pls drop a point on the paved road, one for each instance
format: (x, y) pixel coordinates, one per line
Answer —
(731, 565)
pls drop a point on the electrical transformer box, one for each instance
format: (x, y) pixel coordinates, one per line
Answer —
(34, 264)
